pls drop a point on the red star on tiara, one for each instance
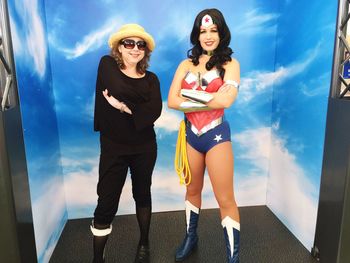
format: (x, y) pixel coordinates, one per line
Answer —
(207, 21)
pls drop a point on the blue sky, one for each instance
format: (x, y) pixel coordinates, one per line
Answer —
(305, 101)
(305, 43)
(277, 122)
(77, 54)
(172, 43)
(40, 127)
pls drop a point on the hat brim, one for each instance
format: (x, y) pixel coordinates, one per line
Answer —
(117, 37)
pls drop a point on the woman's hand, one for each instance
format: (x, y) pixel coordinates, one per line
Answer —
(116, 103)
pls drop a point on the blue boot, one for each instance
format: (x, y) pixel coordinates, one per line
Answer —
(191, 238)
(231, 232)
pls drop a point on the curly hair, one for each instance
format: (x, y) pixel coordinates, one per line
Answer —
(141, 65)
(222, 53)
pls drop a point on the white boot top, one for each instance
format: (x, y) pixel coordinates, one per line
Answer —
(230, 224)
(190, 207)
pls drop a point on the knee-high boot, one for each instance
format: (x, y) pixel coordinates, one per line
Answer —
(191, 238)
(231, 233)
(99, 241)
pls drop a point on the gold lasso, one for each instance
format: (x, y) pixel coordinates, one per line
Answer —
(182, 167)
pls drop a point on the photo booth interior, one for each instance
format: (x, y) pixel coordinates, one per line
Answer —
(49, 151)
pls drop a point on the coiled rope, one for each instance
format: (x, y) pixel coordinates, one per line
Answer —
(182, 167)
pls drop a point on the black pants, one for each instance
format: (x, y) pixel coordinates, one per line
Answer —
(113, 170)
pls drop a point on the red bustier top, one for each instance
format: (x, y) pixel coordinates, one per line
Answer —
(209, 82)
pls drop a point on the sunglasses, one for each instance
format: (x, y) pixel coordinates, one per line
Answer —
(130, 44)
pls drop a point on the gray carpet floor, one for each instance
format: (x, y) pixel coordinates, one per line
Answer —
(264, 239)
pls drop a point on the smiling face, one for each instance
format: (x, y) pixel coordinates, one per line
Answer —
(131, 56)
(209, 37)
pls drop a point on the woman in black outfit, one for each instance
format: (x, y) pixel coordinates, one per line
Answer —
(127, 103)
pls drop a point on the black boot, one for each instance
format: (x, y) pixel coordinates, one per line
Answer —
(231, 233)
(191, 238)
(101, 233)
(143, 215)
(142, 254)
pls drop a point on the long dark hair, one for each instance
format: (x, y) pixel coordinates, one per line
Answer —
(223, 52)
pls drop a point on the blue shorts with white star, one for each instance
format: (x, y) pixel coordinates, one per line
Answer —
(208, 140)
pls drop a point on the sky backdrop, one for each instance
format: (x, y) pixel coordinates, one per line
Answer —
(277, 122)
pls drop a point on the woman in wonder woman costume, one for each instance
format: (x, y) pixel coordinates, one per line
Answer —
(203, 86)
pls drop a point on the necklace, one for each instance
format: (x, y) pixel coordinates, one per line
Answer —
(209, 53)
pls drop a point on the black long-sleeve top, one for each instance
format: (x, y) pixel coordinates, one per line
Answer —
(129, 133)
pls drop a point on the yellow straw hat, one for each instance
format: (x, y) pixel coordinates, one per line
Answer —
(131, 30)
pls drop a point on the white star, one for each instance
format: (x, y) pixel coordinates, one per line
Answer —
(217, 138)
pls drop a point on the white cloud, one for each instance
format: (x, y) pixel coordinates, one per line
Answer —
(68, 163)
(168, 194)
(86, 182)
(46, 216)
(258, 82)
(34, 34)
(292, 203)
(255, 144)
(165, 187)
(16, 41)
(291, 196)
(251, 190)
(175, 28)
(255, 22)
(89, 108)
(169, 119)
(289, 192)
(317, 86)
(90, 42)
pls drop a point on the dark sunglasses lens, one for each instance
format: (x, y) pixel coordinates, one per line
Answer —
(128, 43)
(141, 45)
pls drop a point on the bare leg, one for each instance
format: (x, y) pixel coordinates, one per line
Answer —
(219, 161)
(194, 189)
(193, 203)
